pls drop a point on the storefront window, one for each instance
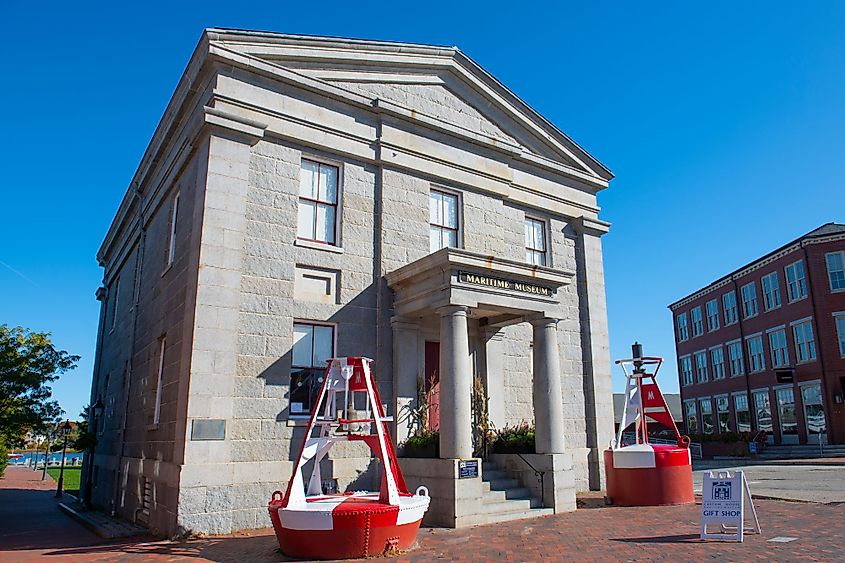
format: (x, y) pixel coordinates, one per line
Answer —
(763, 411)
(786, 410)
(813, 409)
(691, 418)
(706, 416)
(743, 414)
(313, 345)
(723, 414)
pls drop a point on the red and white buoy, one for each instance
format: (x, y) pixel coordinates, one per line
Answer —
(645, 474)
(312, 525)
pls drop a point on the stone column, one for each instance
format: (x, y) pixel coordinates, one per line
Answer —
(455, 385)
(494, 377)
(548, 405)
(406, 353)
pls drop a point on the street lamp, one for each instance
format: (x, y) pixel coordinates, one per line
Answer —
(97, 410)
(66, 429)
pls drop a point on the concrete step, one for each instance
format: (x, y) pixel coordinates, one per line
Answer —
(503, 484)
(519, 515)
(494, 474)
(495, 496)
(489, 466)
(505, 506)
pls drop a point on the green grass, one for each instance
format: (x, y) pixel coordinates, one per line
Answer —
(71, 479)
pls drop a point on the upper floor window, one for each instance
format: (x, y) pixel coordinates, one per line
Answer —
(318, 191)
(836, 270)
(171, 236)
(712, 315)
(735, 356)
(443, 219)
(756, 360)
(535, 241)
(701, 366)
(313, 346)
(796, 286)
(749, 300)
(779, 349)
(686, 370)
(839, 318)
(683, 328)
(805, 342)
(697, 323)
(771, 291)
(717, 357)
(729, 303)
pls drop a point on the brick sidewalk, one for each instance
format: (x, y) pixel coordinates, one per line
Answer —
(596, 533)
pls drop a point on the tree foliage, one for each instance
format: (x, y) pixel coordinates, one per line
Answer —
(28, 364)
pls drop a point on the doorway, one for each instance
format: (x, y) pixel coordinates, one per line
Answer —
(786, 413)
(431, 384)
(811, 396)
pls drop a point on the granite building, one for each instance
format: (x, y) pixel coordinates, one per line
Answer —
(311, 197)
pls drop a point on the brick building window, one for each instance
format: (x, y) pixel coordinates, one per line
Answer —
(712, 315)
(805, 342)
(779, 348)
(697, 323)
(756, 359)
(763, 410)
(318, 193)
(729, 305)
(691, 418)
(535, 241)
(836, 270)
(796, 285)
(313, 345)
(717, 357)
(683, 327)
(742, 412)
(749, 300)
(686, 370)
(735, 357)
(839, 318)
(443, 219)
(723, 414)
(706, 408)
(701, 366)
(771, 291)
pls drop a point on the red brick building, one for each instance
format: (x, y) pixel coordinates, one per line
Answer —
(763, 348)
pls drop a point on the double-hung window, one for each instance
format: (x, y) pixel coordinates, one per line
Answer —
(805, 343)
(712, 315)
(535, 241)
(701, 366)
(729, 304)
(836, 270)
(743, 413)
(686, 370)
(683, 327)
(749, 300)
(162, 347)
(771, 291)
(796, 285)
(706, 408)
(313, 345)
(779, 348)
(443, 220)
(717, 357)
(318, 192)
(756, 359)
(735, 357)
(697, 323)
(723, 414)
(839, 319)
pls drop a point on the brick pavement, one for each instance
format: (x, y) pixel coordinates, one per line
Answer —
(31, 528)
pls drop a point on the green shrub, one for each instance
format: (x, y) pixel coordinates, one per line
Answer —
(517, 439)
(423, 440)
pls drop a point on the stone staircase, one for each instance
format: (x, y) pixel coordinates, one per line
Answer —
(505, 498)
(802, 451)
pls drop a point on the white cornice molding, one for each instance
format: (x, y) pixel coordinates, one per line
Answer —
(587, 225)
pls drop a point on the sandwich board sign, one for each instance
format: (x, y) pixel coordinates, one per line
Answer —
(725, 500)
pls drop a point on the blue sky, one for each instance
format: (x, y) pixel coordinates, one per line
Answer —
(722, 122)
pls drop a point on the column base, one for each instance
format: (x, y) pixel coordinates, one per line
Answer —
(455, 503)
(558, 486)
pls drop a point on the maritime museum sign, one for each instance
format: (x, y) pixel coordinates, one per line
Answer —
(502, 283)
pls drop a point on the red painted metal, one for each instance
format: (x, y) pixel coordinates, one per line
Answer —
(670, 482)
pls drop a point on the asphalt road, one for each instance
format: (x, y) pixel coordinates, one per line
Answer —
(808, 483)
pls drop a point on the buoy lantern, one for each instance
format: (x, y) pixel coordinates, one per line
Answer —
(642, 473)
(312, 525)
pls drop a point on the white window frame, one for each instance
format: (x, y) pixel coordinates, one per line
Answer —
(712, 315)
(800, 282)
(685, 381)
(697, 321)
(694, 403)
(334, 326)
(774, 294)
(338, 205)
(807, 321)
(839, 323)
(159, 377)
(534, 251)
(171, 237)
(698, 367)
(740, 358)
(841, 254)
(709, 402)
(459, 215)
(683, 328)
(732, 312)
(751, 301)
(751, 356)
(734, 396)
(776, 361)
(719, 371)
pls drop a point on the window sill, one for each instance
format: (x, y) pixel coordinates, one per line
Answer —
(838, 290)
(805, 362)
(167, 269)
(775, 308)
(318, 246)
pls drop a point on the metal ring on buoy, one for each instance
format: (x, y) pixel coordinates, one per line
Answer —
(422, 490)
(276, 496)
(683, 442)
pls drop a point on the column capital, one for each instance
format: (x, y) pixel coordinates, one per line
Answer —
(540, 322)
(453, 310)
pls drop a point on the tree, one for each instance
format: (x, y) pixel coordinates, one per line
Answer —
(28, 364)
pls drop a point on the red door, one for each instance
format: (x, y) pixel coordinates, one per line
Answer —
(432, 384)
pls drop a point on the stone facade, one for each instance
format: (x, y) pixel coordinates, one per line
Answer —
(396, 123)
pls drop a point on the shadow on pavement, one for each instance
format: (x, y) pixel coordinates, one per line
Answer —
(681, 538)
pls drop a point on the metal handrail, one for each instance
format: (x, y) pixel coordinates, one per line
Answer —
(541, 476)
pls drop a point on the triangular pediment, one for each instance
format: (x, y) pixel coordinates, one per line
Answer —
(439, 83)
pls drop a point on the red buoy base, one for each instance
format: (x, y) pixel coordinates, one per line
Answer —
(668, 483)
